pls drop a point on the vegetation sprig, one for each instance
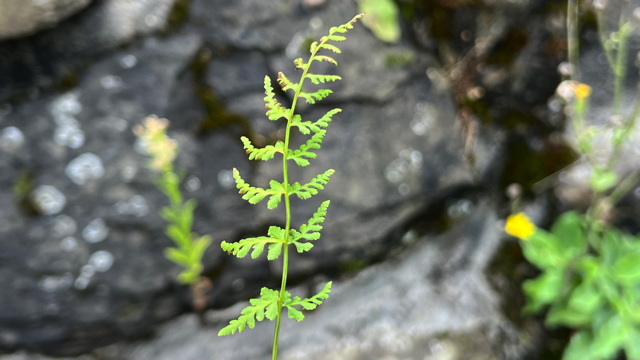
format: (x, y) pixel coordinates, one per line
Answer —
(271, 303)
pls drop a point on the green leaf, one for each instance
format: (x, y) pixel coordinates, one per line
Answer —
(306, 127)
(177, 256)
(585, 298)
(299, 63)
(242, 247)
(255, 194)
(603, 181)
(569, 230)
(312, 302)
(294, 313)
(324, 58)
(382, 18)
(560, 315)
(302, 247)
(627, 269)
(285, 83)
(317, 95)
(544, 251)
(632, 344)
(609, 338)
(264, 154)
(197, 250)
(317, 79)
(275, 110)
(330, 47)
(579, 348)
(336, 38)
(542, 290)
(268, 301)
(274, 251)
(307, 190)
(304, 151)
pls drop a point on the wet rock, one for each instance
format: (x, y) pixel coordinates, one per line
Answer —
(51, 56)
(23, 18)
(90, 270)
(432, 302)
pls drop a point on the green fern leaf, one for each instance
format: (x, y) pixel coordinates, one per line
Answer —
(177, 256)
(335, 38)
(311, 230)
(299, 63)
(307, 304)
(241, 248)
(285, 83)
(255, 194)
(325, 58)
(318, 95)
(306, 127)
(317, 79)
(313, 48)
(311, 144)
(198, 248)
(307, 190)
(265, 153)
(333, 48)
(267, 306)
(275, 110)
(274, 251)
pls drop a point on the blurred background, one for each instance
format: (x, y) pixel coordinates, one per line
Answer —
(446, 103)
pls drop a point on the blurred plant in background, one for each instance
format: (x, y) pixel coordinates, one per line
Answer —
(590, 269)
(179, 214)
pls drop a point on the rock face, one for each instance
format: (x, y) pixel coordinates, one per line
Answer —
(20, 18)
(81, 246)
(432, 302)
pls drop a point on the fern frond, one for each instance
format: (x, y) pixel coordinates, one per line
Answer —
(334, 38)
(241, 248)
(311, 230)
(325, 58)
(314, 143)
(255, 194)
(307, 190)
(299, 63)
(306, 127)
(333, 48)
(285, 83)
(275, 110)
(307, 304)
(317, 79)
(266, 306)
(318, 95)
(265, 153)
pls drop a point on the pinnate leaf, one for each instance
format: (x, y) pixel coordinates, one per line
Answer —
(265, 306)
(307, 190)
(314, 96)
(265, 153)
(255, 194)
(241, 248)
(275, 110)
(317, 79)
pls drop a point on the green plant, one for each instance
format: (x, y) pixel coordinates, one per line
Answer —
(590, 270)
(179, 214)
(272, 302)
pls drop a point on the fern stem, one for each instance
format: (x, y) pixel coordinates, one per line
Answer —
(285, 267)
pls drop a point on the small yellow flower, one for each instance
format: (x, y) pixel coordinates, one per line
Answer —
(582, 91)
(520, 226)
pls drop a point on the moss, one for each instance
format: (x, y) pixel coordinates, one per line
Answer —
(398, 59)
(527, 166)
(217, 116)
(177, 16)
(22, 188)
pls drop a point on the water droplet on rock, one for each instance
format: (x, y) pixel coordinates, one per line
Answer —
(63, 225)
(55, 283)
(87, 271)
(101, 260)
(128, 172)
(81, 283)
(11, 138)
(95, 231)
(84, 167)
(111, 81)
(69, 243)
(128, 61)
(120, 125)
(225, 179)
(70, 136)
(48, 199)
(192, 184)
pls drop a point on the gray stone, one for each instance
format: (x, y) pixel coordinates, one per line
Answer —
(432, 302)
(19, 18)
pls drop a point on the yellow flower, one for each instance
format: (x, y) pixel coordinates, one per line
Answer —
(520, 226)
(582, 91)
